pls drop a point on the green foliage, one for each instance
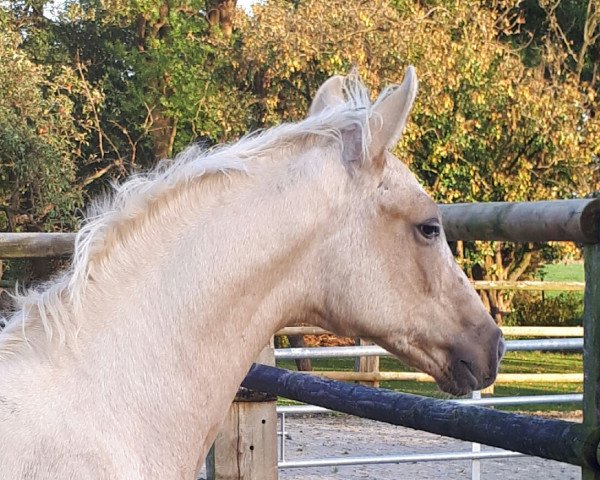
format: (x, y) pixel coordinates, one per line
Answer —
(167, 76)
(572, 30)
(485, 126)
(39, 139)
(531, 309)
(35, 180)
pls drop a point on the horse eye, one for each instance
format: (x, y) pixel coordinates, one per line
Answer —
(430, 230)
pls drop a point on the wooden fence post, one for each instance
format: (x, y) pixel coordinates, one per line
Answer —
(367, 365)
(246, 446)
(591, 345)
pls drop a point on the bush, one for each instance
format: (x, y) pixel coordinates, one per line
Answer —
(531, 309)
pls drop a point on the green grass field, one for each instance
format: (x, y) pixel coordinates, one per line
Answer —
(560, 272)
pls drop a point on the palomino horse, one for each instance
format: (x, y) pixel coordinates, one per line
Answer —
(124, 367)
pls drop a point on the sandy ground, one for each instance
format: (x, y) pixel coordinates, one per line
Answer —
(338, 435)
(322, 436)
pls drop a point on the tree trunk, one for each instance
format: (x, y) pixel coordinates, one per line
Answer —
(221, 13)
(162, 128)
(162, 131)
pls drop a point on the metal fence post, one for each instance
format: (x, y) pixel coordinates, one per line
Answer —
(591, 345)
(282, 439)
(476, 448)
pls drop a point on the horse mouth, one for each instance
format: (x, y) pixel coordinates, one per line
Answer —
(453, 373)
(457, 388)
(460, 379)
(466, 373)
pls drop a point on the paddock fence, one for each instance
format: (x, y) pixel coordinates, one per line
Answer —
(577, 444)
(475, 455)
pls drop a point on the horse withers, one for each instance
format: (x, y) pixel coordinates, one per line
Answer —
(125, 366)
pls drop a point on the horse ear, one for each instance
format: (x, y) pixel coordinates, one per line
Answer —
(330, 94)
(390, 114)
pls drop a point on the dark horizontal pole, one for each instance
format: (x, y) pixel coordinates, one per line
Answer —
(554, 439)
(545, 221)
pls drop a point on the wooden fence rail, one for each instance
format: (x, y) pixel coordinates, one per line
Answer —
(559, 332)
(528, 285)
(555, 220)
(546, 221)
(502, 378)
(36, 245)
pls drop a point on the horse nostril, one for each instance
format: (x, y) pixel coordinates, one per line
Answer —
(501, 349)
(468, 366)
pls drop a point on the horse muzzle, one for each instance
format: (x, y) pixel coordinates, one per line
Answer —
(473, 366)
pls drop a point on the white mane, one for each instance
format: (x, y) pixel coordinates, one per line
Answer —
(53, 306)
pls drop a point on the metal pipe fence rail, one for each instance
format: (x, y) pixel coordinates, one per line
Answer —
(379, 376)
(383, 459)
(373, 350)
(476, 455)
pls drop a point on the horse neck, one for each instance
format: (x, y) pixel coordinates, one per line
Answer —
(198, 298)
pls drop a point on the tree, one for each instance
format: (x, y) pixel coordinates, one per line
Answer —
(39, 140)
(167, 69)
(562, 36)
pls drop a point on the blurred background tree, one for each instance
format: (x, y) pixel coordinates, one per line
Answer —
(507, 109)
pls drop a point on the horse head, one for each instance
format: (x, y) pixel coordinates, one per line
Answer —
(387, 272)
